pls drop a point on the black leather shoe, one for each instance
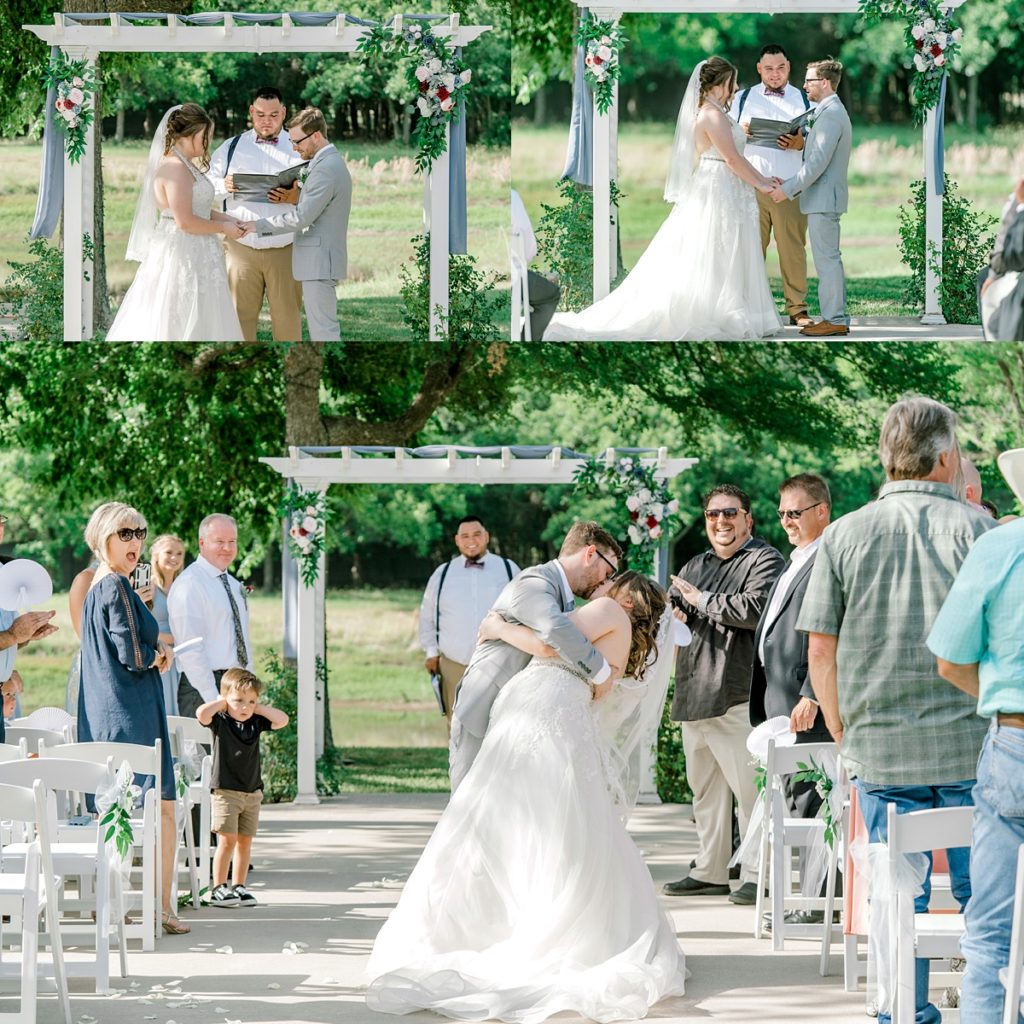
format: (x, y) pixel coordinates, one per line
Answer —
(745, 895)
(690, 886)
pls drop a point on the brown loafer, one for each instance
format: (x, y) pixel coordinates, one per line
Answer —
(825, 329)
(800, 320)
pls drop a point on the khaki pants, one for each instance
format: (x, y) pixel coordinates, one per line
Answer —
(790, 227)
(718, 766)
(255, 273)
(451, 675)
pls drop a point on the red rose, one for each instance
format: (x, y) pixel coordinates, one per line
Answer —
(424, 86)
(303, 533)
(634, 516)
(651, 522)
(443, 93)
(936, 50)
(918, 44)
(597, 60)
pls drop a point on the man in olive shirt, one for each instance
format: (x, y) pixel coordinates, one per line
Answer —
(880, 577)
(723, 591)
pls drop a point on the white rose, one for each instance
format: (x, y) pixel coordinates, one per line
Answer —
(940, 60)
(606, 40)
(435, 65)
(604, 53)
(929, 25)
(920, 63)
(77, 82)
(76, 96)
(658, 511)
(422, 73)
(635, 536)
(449, 82)
(633, 503)
(466, 75)
(643, 494)
(447, 104)
(655, 532)
(917, 32)
(424, 106)
(958, 34)
(673, 506)
(309, 524)
(69, 116)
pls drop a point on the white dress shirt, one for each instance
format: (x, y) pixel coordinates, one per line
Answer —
(466, 597)
(773, 163)
(797, 560)
(198, 605)
(521, 226)
(252, 157)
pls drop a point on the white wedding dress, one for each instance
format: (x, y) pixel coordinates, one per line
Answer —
(702, 278)
(180, 292)
(530, 898)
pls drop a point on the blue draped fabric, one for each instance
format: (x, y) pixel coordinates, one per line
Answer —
(51, 173)
(579, 161)
(940, 139)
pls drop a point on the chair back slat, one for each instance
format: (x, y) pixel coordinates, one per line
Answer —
(143, 760)
(937, 828)
(784, 760)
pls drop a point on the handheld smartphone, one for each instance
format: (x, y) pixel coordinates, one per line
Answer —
(141, 575)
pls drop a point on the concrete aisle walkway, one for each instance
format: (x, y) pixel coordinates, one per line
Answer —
(327, 876)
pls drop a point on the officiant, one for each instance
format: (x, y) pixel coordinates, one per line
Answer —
(777, 100)
(260, 266)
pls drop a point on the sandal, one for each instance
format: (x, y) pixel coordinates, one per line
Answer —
(172, 926)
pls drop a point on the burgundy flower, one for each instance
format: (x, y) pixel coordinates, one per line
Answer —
(651, 522)
(303, 533)
(918, 44)
(634, 516)
(936, 49)
(597, 60)
(443, 93)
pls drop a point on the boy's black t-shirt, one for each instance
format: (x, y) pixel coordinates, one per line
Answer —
(236, 752)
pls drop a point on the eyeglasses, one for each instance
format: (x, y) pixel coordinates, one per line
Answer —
(127, 534)
(295, 142)
(807, 81)
(611, 565)
(796, 513)
(727, 513)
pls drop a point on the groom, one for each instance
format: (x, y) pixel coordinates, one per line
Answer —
(821, 185)
(319, 252)
(540, 598)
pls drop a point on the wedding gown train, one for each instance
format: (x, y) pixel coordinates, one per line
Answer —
(180, 292)
(530, 897)
(702, 278)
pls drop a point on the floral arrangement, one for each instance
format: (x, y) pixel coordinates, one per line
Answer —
(433, 72)
(119, 802)
(74, 84)
(933, 37)
(307, 513)
(602, 41)
(649, 512)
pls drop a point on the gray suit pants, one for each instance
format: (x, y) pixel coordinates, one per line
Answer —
(321, 303)
(823, 232)
(463, 747)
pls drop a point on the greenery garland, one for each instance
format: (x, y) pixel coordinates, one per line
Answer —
(118, 818)
(75, 85)
(815, 773)
(602, 40)
(306, 512)
(933, 38)
(648, 512)
(433, 72)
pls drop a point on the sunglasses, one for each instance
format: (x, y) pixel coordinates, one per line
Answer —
(611, 565)
(796, 513)
(728, 513)
(127, 534)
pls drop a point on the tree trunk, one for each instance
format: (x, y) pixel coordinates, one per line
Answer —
(972, 102)
(101, 300)
(956, 102)
(540, 107)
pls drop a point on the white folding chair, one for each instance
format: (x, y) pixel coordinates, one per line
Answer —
(781, 836)
(89, 859)
(28, 895)
(13, 751)
(912, 935)
(520, 289)
(1010, 975)
(143, 761)
(34, 736)
(54, 719)
(184, 730)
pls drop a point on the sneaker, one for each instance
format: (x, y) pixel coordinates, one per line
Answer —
(245, 898)
(223, 896)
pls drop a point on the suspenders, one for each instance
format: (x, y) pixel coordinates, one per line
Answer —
(746, 93)
(440, 584)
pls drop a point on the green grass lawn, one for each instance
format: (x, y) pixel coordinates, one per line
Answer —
(884, 162)
(387, 211)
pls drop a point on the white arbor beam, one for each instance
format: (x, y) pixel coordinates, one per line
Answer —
(728, 7)
(933, 227)
(604, 231)
(436, 217)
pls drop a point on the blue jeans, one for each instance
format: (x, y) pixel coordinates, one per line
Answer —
(874, 806)
(998, 833)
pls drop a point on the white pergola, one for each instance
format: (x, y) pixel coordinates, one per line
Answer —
(316, 469)
(272, 33)
(605, 141)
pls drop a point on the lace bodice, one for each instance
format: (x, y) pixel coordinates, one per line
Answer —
(202, 192)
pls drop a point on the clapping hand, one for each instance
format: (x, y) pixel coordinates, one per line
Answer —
(31, 626)
(689, 593)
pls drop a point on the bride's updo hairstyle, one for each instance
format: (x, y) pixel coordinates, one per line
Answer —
(648, 607)
(188, 119)
(716, 71)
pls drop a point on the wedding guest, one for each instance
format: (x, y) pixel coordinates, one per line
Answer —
(121, 698)
(990, 508)
(544, 293)
(10, 689)
(723, 593)
(205, 601)
(976, 641)
(260, 267)
(777, 100)
(1000, 289)
(906, 739)
(168, 555)
(458, 595)
(320, 254)
(972, 484)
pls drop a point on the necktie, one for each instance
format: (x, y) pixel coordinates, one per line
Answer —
(774, 92)
(474, 565)
(272, 141)
(243, 658)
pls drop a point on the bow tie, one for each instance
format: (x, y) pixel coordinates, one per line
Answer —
(768, 91)
(272, 141)
(474, 565)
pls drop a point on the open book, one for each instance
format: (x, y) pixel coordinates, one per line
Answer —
(764, 131)
(256, 186)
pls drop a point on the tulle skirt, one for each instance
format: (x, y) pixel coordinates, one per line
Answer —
(530, 898)
(702, 278)
(180, 292)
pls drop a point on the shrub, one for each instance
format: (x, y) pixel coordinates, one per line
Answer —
(670, 771)
(967, 238)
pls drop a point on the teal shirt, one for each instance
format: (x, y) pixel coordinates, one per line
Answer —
(9, 654)
(982, 620)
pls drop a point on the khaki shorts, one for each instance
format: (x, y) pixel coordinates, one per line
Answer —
(236, 813)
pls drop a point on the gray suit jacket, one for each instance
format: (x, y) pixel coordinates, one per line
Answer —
(319, 220)
(821, 181)
(778, 683)
(535, 598)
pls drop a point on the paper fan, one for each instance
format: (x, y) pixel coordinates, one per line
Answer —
(24, 584)
(774, 729)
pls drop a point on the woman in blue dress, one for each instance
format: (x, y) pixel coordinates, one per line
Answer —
(121, 696)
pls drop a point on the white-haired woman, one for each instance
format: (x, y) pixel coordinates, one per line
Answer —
(121, 697)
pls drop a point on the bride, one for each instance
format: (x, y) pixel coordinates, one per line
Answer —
(180, 292)
(703, 277)
(530, 898)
